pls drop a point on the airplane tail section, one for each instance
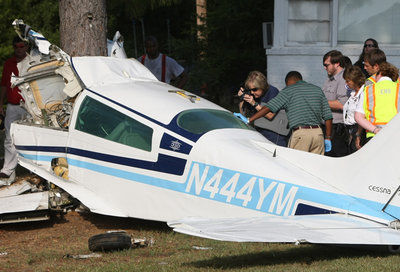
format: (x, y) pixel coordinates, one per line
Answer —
(380, 171)
(371, 174)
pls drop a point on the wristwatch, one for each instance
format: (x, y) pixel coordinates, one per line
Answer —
(255, 104)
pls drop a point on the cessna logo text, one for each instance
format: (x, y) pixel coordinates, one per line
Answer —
(379, 189)
(241, 189)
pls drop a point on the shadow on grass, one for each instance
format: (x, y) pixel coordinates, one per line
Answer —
(297, 254)
(112, 222)
(100, 221)
(32, 225)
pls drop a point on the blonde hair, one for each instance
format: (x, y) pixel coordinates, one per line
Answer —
(258, 79)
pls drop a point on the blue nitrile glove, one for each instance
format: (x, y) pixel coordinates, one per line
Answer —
(241, 117)
(328, 145)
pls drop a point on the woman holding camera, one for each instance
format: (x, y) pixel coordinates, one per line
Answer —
(257, 91)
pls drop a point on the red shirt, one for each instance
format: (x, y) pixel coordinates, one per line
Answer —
(10, 66)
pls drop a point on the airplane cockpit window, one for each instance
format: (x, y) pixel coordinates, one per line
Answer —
(200, 121)
(103, 121)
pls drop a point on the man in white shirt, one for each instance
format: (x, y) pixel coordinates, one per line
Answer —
(163, 67)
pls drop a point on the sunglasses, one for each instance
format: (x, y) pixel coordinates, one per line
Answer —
(369, 45)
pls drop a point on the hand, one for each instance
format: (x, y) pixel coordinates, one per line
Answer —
(357, 142)
(241, 117)
(249, 99)
(376, 130)
(240, 92)
(328, 145)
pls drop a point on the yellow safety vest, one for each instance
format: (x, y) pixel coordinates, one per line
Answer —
(381, 103)
(372, 79)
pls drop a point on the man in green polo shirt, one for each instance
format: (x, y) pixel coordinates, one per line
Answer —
(306, 108)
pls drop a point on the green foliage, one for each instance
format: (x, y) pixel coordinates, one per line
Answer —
(138, 8)
(42, 15)
(129, 17)
(234, 40)
(232, 48)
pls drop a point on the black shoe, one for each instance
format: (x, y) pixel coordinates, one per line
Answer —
(4, 176)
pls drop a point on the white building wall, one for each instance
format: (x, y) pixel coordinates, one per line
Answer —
(308, 61)
(306, 56)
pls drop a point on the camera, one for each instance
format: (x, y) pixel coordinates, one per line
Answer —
(245, 91)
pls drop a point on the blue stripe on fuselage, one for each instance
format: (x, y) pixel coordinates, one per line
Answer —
(165, 163)
(274, 203)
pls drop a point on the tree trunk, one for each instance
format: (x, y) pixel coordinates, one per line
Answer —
(83, 27)
(201, 11)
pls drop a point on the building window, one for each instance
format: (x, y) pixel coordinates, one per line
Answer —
(359, 20)
(103, 121)
(309, 21)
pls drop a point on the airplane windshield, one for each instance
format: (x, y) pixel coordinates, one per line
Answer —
(200, 121)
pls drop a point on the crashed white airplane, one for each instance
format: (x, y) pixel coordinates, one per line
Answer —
(105, 131)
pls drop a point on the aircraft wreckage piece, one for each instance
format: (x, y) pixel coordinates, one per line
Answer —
(129, 145)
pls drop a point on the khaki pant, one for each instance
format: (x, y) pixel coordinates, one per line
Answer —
(309, 140)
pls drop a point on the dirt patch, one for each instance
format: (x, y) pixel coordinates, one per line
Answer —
(31, 246)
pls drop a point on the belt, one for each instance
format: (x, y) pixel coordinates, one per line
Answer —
(306, 127)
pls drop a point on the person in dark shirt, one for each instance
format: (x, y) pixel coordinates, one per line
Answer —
(261, 92)
(369, 44)
(307, 107)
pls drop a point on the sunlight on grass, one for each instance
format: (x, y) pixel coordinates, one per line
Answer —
(44, 249)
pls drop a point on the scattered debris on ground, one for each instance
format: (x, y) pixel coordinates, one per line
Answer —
(201, 248)
(144, 242)
(83, 256)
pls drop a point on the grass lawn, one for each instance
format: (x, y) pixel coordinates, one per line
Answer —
(42, 246)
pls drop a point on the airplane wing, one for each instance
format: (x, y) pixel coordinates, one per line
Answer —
(319, 229)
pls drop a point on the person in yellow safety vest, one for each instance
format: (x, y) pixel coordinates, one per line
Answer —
(372, 61)
(380, 101)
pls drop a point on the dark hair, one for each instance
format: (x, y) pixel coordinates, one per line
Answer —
(293, 75)
(345, 62)
(354, 74)
(151, 39)
(335, 55)
(16, 40)
(375, 56)
(361, 58)
(389, 70)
